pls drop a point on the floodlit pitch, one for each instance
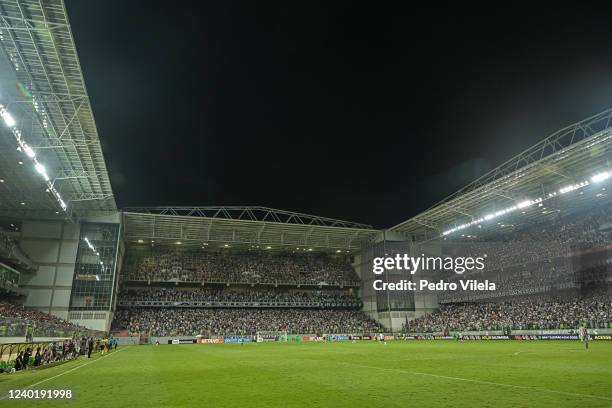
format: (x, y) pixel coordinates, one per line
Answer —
(419, 373)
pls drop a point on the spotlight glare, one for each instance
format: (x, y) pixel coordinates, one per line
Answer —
(599, 177)
(28, 151)
(524, 204)
(8, 118)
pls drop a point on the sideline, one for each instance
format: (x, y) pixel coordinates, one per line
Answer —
(523, 387)
(69, 371)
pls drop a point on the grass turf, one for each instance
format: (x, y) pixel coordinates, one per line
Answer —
(341, 374)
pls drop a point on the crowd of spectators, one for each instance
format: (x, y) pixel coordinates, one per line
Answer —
(532, 313)
(252, 297)
(296, 310)
(562, 236)
(541, 277)
(566, 252)
(227, 322)
(17, 311)
(176, 265)
(15, 319)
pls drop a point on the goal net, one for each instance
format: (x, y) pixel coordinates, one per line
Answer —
(263, 336)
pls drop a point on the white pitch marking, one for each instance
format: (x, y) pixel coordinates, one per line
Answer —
(524, 387)
(69, 371)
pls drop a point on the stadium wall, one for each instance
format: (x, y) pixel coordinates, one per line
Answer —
(52, 245)
(127, 340)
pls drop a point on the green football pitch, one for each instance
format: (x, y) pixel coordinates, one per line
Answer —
(341, 374)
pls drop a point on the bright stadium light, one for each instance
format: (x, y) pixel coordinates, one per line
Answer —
(89, 244)
(599, 177)
(22, 146)
(28, 151)
(8, 118)
(573, 187)
(596, 178)
(40, 169)
(491, 216)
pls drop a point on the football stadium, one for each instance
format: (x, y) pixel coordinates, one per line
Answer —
(498, 295)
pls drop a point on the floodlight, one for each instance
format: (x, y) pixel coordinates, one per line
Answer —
(28, 151)
(8, 119)
(599, 177)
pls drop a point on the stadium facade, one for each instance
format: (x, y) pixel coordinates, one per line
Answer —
(56, 198)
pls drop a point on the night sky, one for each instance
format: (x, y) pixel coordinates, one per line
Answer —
(365, 114)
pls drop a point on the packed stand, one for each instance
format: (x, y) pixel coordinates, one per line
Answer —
(537, 313)
(542, 277)
(561, 237)
(15, 318)
(174, 265)
(248, 297)
(228, 322)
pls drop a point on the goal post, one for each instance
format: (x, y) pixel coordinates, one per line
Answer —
(264, 336)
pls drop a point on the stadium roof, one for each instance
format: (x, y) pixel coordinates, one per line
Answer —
(553, 169)
(242, 226)
(42, 88)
